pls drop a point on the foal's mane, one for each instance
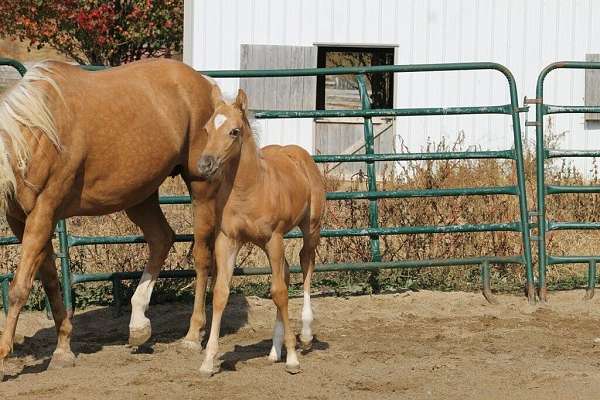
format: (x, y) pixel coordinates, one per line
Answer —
(254, 127)
(24, 108)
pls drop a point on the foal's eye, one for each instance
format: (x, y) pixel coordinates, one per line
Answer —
(234, 133)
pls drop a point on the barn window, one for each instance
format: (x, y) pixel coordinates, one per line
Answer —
(592, 87)
(341, 91)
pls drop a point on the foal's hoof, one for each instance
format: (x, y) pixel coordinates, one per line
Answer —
(190, 345)
(62, 359)
(139, 336)
(208, 372)
(293, 368)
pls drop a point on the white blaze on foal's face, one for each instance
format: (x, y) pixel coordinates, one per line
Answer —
(219, 120)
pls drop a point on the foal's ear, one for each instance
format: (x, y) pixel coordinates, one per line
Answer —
(216, 95)
(241, 101)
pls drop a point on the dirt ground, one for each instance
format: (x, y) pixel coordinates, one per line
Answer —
(413, 345)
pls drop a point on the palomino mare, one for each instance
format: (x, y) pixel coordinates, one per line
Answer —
(262, 195)
(92, 143)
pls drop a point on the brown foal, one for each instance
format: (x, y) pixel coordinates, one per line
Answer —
(74, 142)
(262, 195)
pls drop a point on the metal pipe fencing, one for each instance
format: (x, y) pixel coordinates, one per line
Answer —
(374, 230)
(543, 190)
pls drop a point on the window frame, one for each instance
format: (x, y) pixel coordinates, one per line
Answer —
(323, 49)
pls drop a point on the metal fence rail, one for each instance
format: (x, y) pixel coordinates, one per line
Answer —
(543, 190)
(373, 231)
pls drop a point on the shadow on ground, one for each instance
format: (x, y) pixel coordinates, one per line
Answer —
(96, 328)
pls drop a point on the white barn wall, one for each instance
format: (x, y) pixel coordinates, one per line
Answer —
(509, 32)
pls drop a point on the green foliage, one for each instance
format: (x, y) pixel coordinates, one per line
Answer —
(107, 32)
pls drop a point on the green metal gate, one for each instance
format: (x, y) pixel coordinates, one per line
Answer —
(373, 231)
(543, 190)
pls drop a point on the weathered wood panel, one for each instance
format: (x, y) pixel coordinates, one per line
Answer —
(309, 83)
(592, 87)
(339, 138)
(287, 93)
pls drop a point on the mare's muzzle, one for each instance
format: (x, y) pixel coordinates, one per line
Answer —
(207, 166)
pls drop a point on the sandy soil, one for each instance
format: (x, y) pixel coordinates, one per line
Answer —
(423, 345)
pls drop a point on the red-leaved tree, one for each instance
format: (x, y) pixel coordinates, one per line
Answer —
(106, 32)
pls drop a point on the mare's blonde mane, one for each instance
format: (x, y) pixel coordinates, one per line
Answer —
(24, 108)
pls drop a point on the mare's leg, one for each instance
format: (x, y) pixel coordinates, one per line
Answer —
(311, 235)
(279, 293)
(160, 237)
(226, 251)
(36, 235)
(203, 234)
(63, 356)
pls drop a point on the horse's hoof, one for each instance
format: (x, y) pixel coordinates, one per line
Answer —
(190, 345)
(2, 370)
(19, 339)
(62, 359)
(305, 345)
(293, 368)
(139, 336)
(208, 372)
(273, 356)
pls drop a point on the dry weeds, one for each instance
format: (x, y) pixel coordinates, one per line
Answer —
(392, 212)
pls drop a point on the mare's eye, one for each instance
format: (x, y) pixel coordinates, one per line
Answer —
(234, 133)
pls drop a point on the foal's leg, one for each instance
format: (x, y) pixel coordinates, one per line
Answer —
(36, 235)
(160, 237)
(203, 232)
(311, 235)
(279, 293)
(226, 251)
(275, 354)
(63, 356)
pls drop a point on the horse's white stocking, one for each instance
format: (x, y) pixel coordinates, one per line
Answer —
(306, 336)
(275, 354)
(160, 237)
(140, 301)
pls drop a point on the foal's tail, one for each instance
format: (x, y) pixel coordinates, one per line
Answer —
(24, 111)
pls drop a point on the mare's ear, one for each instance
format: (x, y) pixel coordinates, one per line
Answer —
(241, 101)
(216, 95)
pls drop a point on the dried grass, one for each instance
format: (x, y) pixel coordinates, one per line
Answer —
(392, 212)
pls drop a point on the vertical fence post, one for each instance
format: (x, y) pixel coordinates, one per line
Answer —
(47, 307)
(371, 178)
(486, 287)
(589, 293)
(5, 288)
(523, 207)
(117, 289)
(541, 185)
(65, 264)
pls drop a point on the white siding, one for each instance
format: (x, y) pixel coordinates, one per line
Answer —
(523, 35)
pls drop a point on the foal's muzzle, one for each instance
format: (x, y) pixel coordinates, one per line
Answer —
(207, 166)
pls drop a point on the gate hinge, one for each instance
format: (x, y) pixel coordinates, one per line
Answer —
(532, 101)
(533, 123)
(533, 214)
